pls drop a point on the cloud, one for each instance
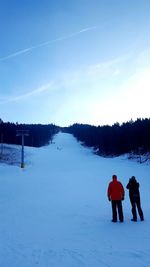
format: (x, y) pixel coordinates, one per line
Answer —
(95, 74)
(29, 49)
(43, 88)
(107, 68)
(87, 79)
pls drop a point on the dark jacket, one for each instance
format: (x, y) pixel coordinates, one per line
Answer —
(133, 187)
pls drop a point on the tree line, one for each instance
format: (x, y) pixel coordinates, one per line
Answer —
(39, 135)
(132, 136)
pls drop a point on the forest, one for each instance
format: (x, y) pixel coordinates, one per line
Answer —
(129, 137)
(37, 134)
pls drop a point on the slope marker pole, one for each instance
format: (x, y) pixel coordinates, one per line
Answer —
(22, 133)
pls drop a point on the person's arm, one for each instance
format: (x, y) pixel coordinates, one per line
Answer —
(128, 185)
(109, 192)
(122, 192)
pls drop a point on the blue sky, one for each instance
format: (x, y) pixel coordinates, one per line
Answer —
(84, 61)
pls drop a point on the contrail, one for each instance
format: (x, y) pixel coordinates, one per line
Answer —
(43, 88)
(29, 49)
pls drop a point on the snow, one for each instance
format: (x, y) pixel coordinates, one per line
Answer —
(10, 154)
(55, 212)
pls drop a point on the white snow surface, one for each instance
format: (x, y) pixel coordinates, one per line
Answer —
(55, 212)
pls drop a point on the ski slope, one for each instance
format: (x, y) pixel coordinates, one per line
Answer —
(55, 212)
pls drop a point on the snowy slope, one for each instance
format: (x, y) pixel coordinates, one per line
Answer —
(55, 213)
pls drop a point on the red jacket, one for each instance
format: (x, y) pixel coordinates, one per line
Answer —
(115, 190)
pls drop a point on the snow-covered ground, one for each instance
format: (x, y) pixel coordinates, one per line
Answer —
(55, 212)
(10, 154)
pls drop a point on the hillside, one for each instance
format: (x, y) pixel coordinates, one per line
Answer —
(55, 212)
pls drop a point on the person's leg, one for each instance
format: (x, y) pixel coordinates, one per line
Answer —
(120, 210)
(133, 204)
(114, 210)
(138, 204)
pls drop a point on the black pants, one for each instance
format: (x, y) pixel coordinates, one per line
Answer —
(136, 204)
(117, 209)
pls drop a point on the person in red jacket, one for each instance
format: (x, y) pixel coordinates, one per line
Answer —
(115, 194)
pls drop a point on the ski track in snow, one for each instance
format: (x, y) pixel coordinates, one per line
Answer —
(55, 212)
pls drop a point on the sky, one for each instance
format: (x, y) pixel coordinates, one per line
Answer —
(83, 61)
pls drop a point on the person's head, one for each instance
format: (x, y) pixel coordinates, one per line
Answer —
(114, 177)
(133, 179)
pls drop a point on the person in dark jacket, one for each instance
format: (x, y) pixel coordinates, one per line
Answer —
(115, 194)
(134, 195)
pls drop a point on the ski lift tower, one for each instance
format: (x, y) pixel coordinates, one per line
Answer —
(22, 133)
